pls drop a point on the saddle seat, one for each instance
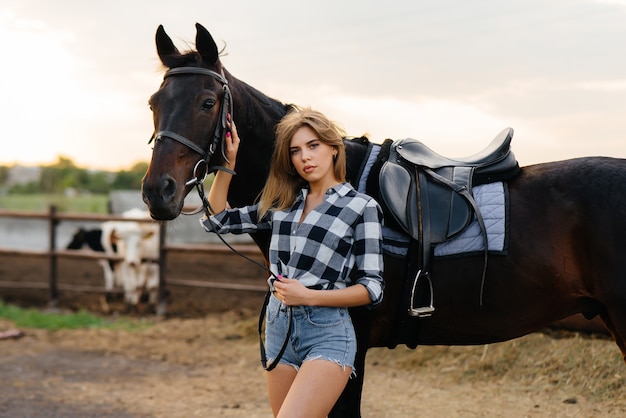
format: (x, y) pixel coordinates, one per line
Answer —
(429, 196)
(486, 161)
(419, 154)
(413, 170)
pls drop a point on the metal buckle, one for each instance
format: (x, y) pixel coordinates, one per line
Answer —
(199, 179)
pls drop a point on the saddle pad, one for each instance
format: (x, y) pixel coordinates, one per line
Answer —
(394, 243)
(371, 159)
(492, 203)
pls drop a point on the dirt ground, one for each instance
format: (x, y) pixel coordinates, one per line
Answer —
(203, 359)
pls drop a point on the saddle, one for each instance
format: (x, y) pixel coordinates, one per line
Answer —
(430, 197)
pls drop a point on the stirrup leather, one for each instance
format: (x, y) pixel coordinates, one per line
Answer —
(422, 311)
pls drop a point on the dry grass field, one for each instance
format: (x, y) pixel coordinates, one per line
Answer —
(203, 361)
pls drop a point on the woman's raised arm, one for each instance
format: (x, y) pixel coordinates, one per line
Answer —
(219, 190)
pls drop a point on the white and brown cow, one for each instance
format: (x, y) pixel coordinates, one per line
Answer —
(138, 245)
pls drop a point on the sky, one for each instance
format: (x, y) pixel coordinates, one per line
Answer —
(76, 75)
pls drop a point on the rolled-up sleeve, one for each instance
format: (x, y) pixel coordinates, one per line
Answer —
(368, 251)
(242, 220)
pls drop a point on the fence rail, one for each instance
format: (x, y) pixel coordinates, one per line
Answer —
(53, 254)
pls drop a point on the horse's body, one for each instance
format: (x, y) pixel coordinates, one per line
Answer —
(567, 226)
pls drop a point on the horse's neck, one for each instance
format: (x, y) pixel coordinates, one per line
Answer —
(255, 116)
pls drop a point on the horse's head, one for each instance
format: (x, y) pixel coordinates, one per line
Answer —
(189, 112)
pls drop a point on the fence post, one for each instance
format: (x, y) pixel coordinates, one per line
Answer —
(52, 224)
(161, 309)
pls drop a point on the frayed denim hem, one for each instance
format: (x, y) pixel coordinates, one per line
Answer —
(286, 363)
(337, 362)
(297, 367)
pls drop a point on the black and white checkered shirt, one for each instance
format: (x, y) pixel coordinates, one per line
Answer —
(342, 234)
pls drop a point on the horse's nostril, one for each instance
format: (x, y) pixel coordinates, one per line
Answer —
(159, 191)
(168, 188)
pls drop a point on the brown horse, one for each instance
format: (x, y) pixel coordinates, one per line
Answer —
(567, 221)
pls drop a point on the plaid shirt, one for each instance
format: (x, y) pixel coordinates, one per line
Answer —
(342, 234)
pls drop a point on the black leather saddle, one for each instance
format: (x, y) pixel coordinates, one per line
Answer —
(430, 196)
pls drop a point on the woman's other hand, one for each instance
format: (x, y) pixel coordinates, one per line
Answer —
(291, 292)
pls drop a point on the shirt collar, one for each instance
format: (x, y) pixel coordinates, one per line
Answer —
(342, 189)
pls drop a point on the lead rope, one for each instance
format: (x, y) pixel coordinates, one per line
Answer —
(207, 210)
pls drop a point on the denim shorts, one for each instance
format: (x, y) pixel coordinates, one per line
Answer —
(316, 333)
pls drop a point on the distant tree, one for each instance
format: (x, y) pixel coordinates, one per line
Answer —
(99, 182)
(31, 187)
(131, 179)
(57, 177)
(64, 174)
(4, 175)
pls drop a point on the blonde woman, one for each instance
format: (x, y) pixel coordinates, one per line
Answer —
(325, 254)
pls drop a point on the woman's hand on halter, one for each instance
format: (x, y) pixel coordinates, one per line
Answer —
(231, 143)
(219, 189)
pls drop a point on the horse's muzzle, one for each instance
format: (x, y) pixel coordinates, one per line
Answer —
(163, 198)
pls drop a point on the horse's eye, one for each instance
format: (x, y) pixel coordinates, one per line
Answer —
(208, 104)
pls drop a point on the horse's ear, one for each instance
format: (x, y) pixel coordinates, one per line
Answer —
(165, 46)
(206, 45)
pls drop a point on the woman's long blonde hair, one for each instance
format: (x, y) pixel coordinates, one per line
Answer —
(284, 183)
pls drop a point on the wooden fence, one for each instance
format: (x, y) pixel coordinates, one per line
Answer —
(53, 219)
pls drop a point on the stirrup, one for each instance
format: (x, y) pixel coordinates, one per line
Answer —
(422, 311)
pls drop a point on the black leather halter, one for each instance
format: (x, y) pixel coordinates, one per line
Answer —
(201, 169)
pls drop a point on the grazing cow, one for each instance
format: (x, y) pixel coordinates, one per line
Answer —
(137, 243)
(93, 239)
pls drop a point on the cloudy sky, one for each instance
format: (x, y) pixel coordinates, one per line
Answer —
(77, 74)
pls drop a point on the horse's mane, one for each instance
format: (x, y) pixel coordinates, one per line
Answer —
(192, 58)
